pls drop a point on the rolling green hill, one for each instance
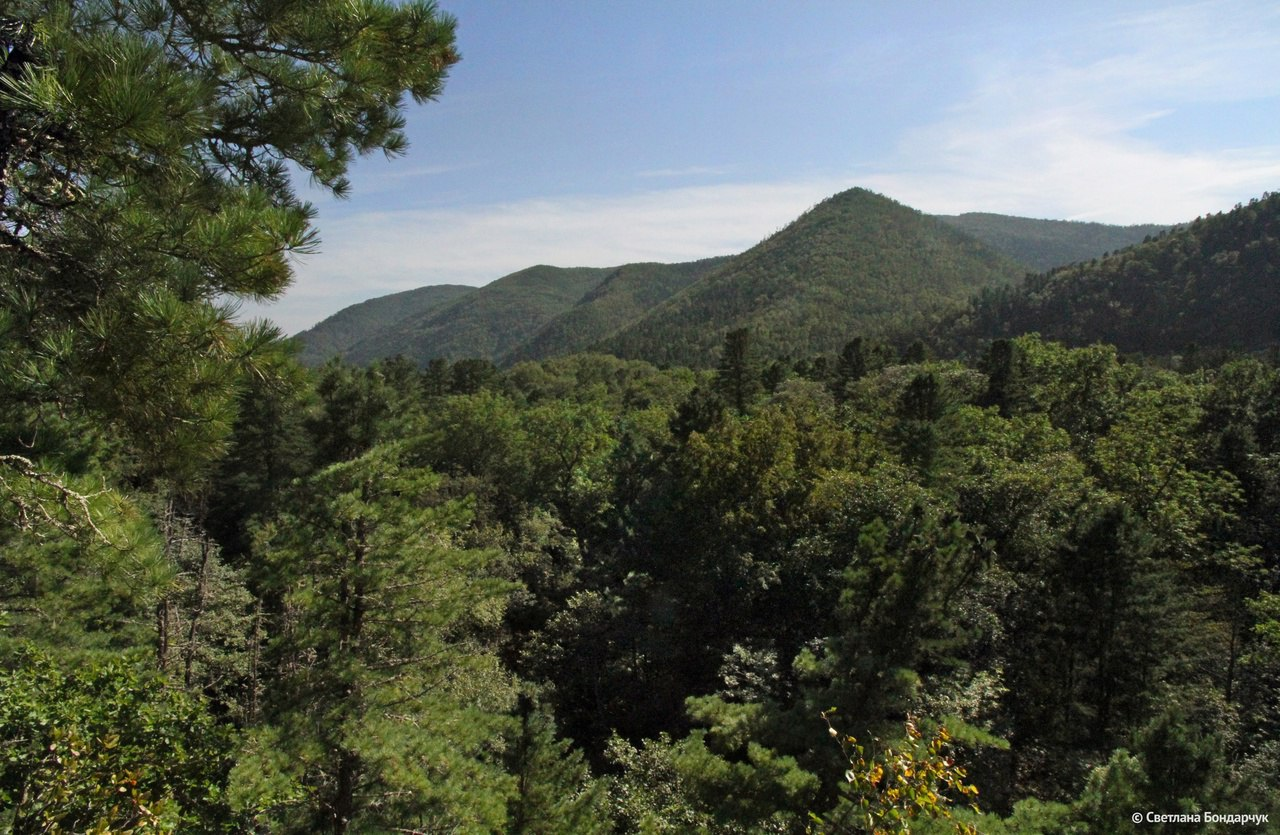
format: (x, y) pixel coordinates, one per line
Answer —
(625, 295)
(1045, 244)
(1214, 282)
(856, 264)
(336, 335)
(531, 314)
(486, 323)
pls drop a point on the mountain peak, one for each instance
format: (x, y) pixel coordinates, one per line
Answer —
(856, 263)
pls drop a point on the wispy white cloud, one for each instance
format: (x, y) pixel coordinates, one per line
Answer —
(385, 252)
(376, 176)
(687, 171)
(1078, 135)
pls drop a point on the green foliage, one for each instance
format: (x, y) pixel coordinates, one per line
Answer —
(650, 797)
(359, 407)
(920, 406)
(738, 373)
(1081, 390)
(558, 316)
(1176, 763)
(625, 295)
(1066, 551)
(144, 162)
(888, 790)
(555, 794)
(1113, 790)
(1072, 575)
(472, 375)
(623, 384)
(695, 786)
(1070, 558)
(892, 618)
(858, 358)
(489, 323)
(569, 449)
(108, 748)
(270, 445)
(206, 621)
(81, 565)
(536, 313)
(380, 635)
(471, 435)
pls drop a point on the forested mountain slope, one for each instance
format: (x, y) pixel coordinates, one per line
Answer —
(1045, 244)
(487, 323)
(535, 313)
(625, 295)
(336, 335)
(1214, 283)
(857, 263)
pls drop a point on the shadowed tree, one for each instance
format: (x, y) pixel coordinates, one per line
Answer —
(738, 374)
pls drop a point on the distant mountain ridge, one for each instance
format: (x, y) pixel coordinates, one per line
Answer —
(488, 322)
(857, 263)
(338, 334)
(1214, 282)
(625, 295)
(1045, 244)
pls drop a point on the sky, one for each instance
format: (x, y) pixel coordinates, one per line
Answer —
(604, 132)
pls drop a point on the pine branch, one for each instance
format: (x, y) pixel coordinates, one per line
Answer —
(57, 506)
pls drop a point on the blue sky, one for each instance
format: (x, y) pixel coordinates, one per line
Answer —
(601, 133)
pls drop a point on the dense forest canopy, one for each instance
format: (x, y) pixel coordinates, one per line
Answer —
(1032, 590)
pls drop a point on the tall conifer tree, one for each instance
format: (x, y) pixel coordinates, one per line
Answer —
(388, 708)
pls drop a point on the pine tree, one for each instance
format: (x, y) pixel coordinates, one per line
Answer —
(146, 151)
(144, 187)
(920, 406)
(555, 794)
(738, 375)
(386, 707)
(851, 367)
(857, 359)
